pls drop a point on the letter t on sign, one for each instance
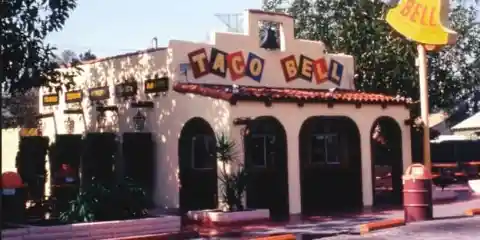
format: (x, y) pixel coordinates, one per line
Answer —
(199, 62)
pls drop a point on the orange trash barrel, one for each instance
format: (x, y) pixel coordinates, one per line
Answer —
(417, 193)
(13, 198)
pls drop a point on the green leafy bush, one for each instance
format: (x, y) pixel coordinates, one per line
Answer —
(100, 202)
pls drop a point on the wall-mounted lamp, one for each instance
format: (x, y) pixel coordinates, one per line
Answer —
(70, 125)
(101, 120)
(139, 121)
(40, 126)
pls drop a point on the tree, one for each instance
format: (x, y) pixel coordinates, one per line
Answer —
(69, 57)
(27, 61)
(385, 61)
(87, 56)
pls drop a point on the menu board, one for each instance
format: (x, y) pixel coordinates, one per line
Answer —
(99, 93)
(74, 96)
(50, 99)
(156, 85)
(128, 89)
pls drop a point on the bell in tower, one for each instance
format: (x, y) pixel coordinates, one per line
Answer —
(270, 40)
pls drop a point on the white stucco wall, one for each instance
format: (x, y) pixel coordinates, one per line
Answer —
(172, 110)
(10, 140)
(292, 117)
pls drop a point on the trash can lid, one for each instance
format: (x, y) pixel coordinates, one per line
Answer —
(11, 180)
(417, 171)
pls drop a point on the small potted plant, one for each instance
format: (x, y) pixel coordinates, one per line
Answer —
(233, 178)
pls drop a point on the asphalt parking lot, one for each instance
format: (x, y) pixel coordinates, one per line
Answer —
(446, 229)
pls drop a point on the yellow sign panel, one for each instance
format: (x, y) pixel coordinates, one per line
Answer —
(423, 21)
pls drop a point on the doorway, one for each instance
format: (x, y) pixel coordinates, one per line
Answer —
(330, 165)
(139, 160)
(387, 162)
(98, 160)
(198, 166)
(30, 163)
(266, 162)
(65, 155)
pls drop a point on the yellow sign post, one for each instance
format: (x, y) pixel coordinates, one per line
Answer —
(426, 23)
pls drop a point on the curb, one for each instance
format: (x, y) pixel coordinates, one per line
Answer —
(163, 236)
(277, 237)
(472, 212)
(378, 225)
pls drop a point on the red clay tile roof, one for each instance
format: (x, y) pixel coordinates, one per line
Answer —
(248, 93)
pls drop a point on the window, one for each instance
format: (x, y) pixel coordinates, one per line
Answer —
(324, 149)
(262, 149)
(203, 152)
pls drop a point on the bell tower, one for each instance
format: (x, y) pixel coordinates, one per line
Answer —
(285, 28)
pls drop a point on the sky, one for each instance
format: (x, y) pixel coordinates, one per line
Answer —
(111, 27)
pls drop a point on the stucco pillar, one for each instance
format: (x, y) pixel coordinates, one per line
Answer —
(367, 188)
(406, 146)
(292, 128)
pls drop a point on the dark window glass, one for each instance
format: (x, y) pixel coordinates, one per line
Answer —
(259, 151)
(270, 148)
(332, 149)
(203, 149)
(324, 149)
(318, 151)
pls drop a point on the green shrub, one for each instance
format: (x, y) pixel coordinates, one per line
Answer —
(99, 202)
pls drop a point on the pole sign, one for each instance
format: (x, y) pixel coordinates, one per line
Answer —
(423, 21)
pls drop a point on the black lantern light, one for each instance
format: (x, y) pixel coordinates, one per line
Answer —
(139, 121)
(70, 125)
(101, 120)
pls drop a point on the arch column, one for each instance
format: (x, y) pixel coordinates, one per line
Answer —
(406, 146)
(293, 126)
(367, 180)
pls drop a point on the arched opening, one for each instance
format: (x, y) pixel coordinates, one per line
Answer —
(197, 166)
(266, 160)
(387, 162)
(330, 165)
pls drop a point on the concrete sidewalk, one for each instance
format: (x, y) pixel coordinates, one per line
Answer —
(447, 229)
(324, 226)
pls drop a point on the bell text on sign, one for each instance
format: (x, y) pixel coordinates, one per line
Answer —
(237, 66)
(307, 69)
(423, 21)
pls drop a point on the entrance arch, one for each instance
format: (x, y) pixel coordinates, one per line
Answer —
(265, 144)
(387, 161)
(197, 166)
(330, 165)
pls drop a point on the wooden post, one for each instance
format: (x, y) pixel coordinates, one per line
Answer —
(424, 106)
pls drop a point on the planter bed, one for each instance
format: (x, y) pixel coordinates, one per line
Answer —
(97, 230)
(474, 186)
(443, 195)
(218, 217)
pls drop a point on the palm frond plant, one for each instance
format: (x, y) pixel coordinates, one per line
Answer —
(233, 175)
